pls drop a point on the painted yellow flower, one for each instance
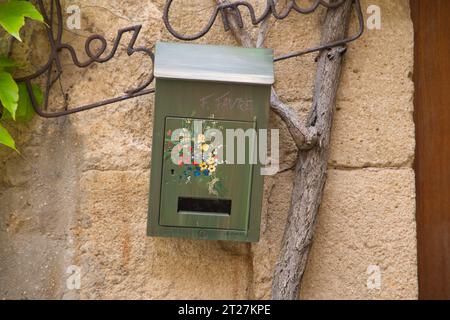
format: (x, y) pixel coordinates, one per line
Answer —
(212, 168)
(211, 161)
(203, 166)
(201, 138)
(205, 147)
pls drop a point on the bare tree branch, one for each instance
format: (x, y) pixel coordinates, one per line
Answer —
(240, 33)
(304, 138)
(263, 30)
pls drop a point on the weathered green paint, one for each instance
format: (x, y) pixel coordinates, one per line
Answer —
(228, 105)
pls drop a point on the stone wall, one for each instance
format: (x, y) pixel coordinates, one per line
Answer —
(77, 194)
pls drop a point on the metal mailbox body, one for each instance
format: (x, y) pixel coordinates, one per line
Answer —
(226, 88)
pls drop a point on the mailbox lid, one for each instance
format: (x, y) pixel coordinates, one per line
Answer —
(214, 63)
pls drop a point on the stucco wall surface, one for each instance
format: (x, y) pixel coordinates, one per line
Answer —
(77, 194)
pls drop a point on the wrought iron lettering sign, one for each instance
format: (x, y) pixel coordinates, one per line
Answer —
(100, 54)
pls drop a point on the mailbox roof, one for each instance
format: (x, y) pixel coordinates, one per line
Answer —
(214, 63)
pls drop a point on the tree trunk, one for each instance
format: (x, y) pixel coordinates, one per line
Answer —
(311, 168)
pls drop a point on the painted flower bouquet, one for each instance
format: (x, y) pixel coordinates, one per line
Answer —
(201, 164)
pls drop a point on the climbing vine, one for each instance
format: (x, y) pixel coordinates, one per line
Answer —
(15, 104)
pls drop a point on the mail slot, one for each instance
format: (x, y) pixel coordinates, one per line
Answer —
(205, 182)
(204, 206)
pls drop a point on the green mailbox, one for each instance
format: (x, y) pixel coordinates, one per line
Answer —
(210, 102)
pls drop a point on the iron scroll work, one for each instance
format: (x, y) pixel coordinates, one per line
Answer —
(55, 29)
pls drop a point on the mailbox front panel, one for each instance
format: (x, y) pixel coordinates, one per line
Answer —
(207, 193)
(191, 210)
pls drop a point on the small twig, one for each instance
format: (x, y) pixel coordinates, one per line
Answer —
(264, 30)
(240, 33)
(304, 137)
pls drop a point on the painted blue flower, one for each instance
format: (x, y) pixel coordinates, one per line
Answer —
(206, 172)
(197, 173)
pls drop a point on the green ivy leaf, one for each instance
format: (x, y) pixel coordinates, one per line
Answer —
(25, 111)
(6, 139)
(9, 93)
(13, 14)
